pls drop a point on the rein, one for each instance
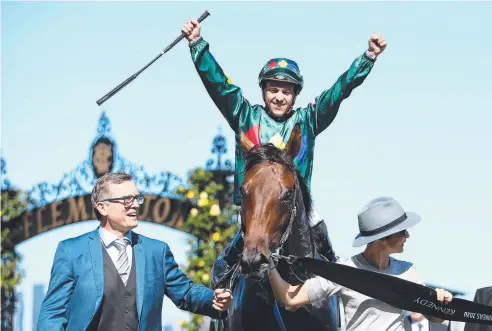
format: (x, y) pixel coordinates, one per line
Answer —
(394, 291)
(278, 249)
(276, 254)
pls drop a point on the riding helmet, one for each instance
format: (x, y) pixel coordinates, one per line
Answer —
(281, 69)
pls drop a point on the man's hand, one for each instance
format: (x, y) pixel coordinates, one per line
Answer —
(443, 296)
(191, 30)
(292, 308)
(222, 299)
(377, 44)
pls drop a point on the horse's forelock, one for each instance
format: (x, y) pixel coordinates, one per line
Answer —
(269, 153)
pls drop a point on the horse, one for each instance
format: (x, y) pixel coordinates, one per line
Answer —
(275, 216)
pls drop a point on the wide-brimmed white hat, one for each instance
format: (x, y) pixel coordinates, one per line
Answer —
(382, 217)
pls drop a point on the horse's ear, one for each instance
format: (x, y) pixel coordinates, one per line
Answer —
(246, 144)
(294, 144)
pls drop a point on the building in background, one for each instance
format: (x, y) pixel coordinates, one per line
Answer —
(19, 312)
(38, 294)
(167, 327)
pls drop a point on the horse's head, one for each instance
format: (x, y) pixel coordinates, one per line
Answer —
(272, 193)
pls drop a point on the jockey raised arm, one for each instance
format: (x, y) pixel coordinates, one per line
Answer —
(281, 82)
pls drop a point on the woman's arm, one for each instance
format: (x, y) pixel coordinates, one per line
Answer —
(290, 296)
(443, 296)
(313, 290)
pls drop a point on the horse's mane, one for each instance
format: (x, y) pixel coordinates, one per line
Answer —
(268, 153)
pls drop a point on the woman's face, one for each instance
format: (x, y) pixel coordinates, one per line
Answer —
(396, 241)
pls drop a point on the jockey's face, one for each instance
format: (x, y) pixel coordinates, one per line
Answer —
(279, 97)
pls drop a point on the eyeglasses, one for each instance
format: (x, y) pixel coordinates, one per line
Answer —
(128, 200)
(401, 233)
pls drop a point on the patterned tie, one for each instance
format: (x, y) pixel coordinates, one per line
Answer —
(122, 263)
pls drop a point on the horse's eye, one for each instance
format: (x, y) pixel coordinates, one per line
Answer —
(288, 195)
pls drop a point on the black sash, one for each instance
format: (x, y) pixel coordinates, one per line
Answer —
(397, 292)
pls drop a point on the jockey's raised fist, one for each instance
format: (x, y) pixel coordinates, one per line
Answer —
(191, 30)
(377, 44)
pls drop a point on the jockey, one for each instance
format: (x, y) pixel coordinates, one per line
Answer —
(281, 82)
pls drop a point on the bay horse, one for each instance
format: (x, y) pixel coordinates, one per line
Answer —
(274, 216)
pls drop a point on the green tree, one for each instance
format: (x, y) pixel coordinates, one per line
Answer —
(12, 206)
(212, 224)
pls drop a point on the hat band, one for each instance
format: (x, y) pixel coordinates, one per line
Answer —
(388, 226)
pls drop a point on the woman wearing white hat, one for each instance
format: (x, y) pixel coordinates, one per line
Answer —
(383, 225)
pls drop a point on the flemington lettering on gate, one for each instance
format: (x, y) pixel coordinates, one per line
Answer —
(69, 201)
(156, 209)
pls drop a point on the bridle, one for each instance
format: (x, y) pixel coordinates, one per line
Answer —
(276, 254)
(278, 249)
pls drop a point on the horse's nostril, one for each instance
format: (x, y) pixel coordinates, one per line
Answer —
(263, 259)
(251, 260)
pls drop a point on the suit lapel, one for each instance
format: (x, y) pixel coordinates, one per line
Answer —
(140, 266)
(95, 249)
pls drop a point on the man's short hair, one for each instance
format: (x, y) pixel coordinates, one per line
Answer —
(101, 189)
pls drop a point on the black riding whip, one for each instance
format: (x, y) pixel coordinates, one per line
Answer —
(135, 75)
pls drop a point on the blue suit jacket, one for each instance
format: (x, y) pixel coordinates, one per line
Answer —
(77, 284)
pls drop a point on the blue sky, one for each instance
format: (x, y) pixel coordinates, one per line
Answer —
(417, 129)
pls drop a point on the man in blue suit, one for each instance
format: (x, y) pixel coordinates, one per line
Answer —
(115, 279)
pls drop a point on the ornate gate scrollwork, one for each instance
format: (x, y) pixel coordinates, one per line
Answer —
(50, 206)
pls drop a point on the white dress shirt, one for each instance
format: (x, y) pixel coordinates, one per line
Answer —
(107, 239)
(423, 325)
